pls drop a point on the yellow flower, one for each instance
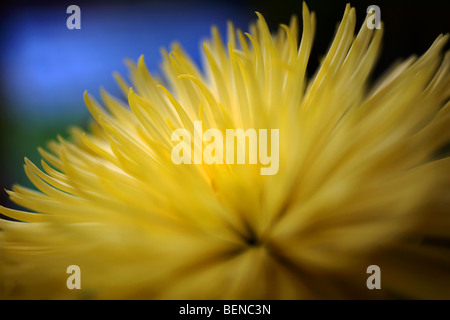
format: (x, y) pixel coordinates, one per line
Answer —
(362, 180)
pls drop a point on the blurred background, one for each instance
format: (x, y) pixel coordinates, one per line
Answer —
(46, 67)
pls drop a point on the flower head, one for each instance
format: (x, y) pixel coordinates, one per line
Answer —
(360, 182)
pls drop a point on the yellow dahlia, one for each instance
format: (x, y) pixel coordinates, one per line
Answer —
(362, 179)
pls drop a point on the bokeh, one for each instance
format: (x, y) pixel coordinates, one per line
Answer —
(45, 67)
